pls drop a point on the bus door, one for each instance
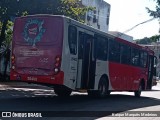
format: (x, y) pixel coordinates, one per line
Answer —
(150, 71)
(72, 39)
(86, 62)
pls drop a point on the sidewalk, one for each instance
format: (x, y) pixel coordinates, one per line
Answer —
(15, 84)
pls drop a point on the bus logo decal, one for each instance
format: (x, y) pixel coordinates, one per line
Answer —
(33, 31)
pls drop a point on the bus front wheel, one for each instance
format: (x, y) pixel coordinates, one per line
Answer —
(137, 93)
(62, 91)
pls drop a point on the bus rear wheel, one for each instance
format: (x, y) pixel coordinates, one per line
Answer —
(62, 91)
(103, 88)
(137, 93)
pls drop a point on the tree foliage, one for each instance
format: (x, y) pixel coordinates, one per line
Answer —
(9, 9)
(149, 40)
(73, 9)
(156, 13)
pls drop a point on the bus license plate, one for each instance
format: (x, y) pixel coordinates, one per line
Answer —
(32, 78)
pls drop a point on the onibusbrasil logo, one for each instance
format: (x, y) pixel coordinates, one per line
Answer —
(33, 31)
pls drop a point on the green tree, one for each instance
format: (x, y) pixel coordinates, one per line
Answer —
(9, 9)
(13, 8)
(70, 8)
(149, 40)
(5, 47)
(73, 9)
(155, 38)
(143, 41)
(156, 13)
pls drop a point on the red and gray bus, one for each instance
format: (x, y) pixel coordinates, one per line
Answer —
(70, 56)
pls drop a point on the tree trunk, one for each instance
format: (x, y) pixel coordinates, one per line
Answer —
(7, 58)
(2, 36)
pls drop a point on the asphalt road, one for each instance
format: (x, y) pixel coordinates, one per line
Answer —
(22, 97)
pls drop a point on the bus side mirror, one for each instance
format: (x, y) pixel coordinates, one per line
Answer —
(155, 63)
(155, 66)
(154, 70)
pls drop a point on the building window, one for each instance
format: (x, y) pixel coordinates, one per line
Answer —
(88, 18)
(98, 26)
(89, 15)
(107, 20)
(94, 17)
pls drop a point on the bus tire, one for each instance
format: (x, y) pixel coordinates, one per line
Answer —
(103, 87)
(62, 91)
(91, 93)
(108, 92)
(137, 93)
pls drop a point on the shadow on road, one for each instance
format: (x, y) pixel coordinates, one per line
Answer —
(46, 100)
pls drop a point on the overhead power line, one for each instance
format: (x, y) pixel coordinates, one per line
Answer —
(138, 25)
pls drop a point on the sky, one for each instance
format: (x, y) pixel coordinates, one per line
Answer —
(125, 14)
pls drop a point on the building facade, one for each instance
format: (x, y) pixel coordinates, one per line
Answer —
(99, 17)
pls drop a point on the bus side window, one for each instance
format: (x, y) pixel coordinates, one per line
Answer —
(114, 51)
(101, 48)
(81, 45)
(145, 56)
(135, 57)
(143, 59)
(125, 54)
(72, 39)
